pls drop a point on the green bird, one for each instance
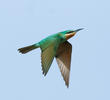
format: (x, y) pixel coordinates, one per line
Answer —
(57, 46)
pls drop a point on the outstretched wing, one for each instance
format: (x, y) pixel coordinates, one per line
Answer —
(48, 54)
(63, 57)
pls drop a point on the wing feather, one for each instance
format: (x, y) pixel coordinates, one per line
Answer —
(63, 57)
(48, 55)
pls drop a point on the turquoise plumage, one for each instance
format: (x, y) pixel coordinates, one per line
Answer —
(55, 46)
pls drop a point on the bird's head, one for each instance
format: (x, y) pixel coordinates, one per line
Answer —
(70, 33)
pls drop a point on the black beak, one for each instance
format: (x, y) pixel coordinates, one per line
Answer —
(78, 29)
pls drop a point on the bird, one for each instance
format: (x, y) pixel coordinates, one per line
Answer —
(55, 46)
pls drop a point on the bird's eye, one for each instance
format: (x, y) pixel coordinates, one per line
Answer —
(69, 32)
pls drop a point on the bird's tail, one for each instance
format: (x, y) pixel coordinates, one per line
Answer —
(28, 48)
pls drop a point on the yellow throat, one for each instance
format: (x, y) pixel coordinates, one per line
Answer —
(70, 35)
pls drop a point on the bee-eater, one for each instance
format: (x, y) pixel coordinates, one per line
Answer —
(57, 46)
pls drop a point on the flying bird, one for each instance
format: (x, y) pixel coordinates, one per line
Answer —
(55, 46)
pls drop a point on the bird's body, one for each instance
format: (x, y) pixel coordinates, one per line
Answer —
(59, 37)
(56, 46)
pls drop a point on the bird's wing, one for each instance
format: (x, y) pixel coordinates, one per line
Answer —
(63, 57)
(47, 56)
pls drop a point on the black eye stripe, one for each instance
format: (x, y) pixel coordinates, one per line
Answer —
(70, 32)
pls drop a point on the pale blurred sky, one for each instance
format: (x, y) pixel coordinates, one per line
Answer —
(24, 22)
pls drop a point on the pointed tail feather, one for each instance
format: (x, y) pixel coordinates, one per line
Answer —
(27, 49)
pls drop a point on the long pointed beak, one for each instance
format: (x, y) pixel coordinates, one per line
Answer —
(78, 29)
(73, 33)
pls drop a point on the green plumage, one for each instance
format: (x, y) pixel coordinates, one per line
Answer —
(57, 46)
